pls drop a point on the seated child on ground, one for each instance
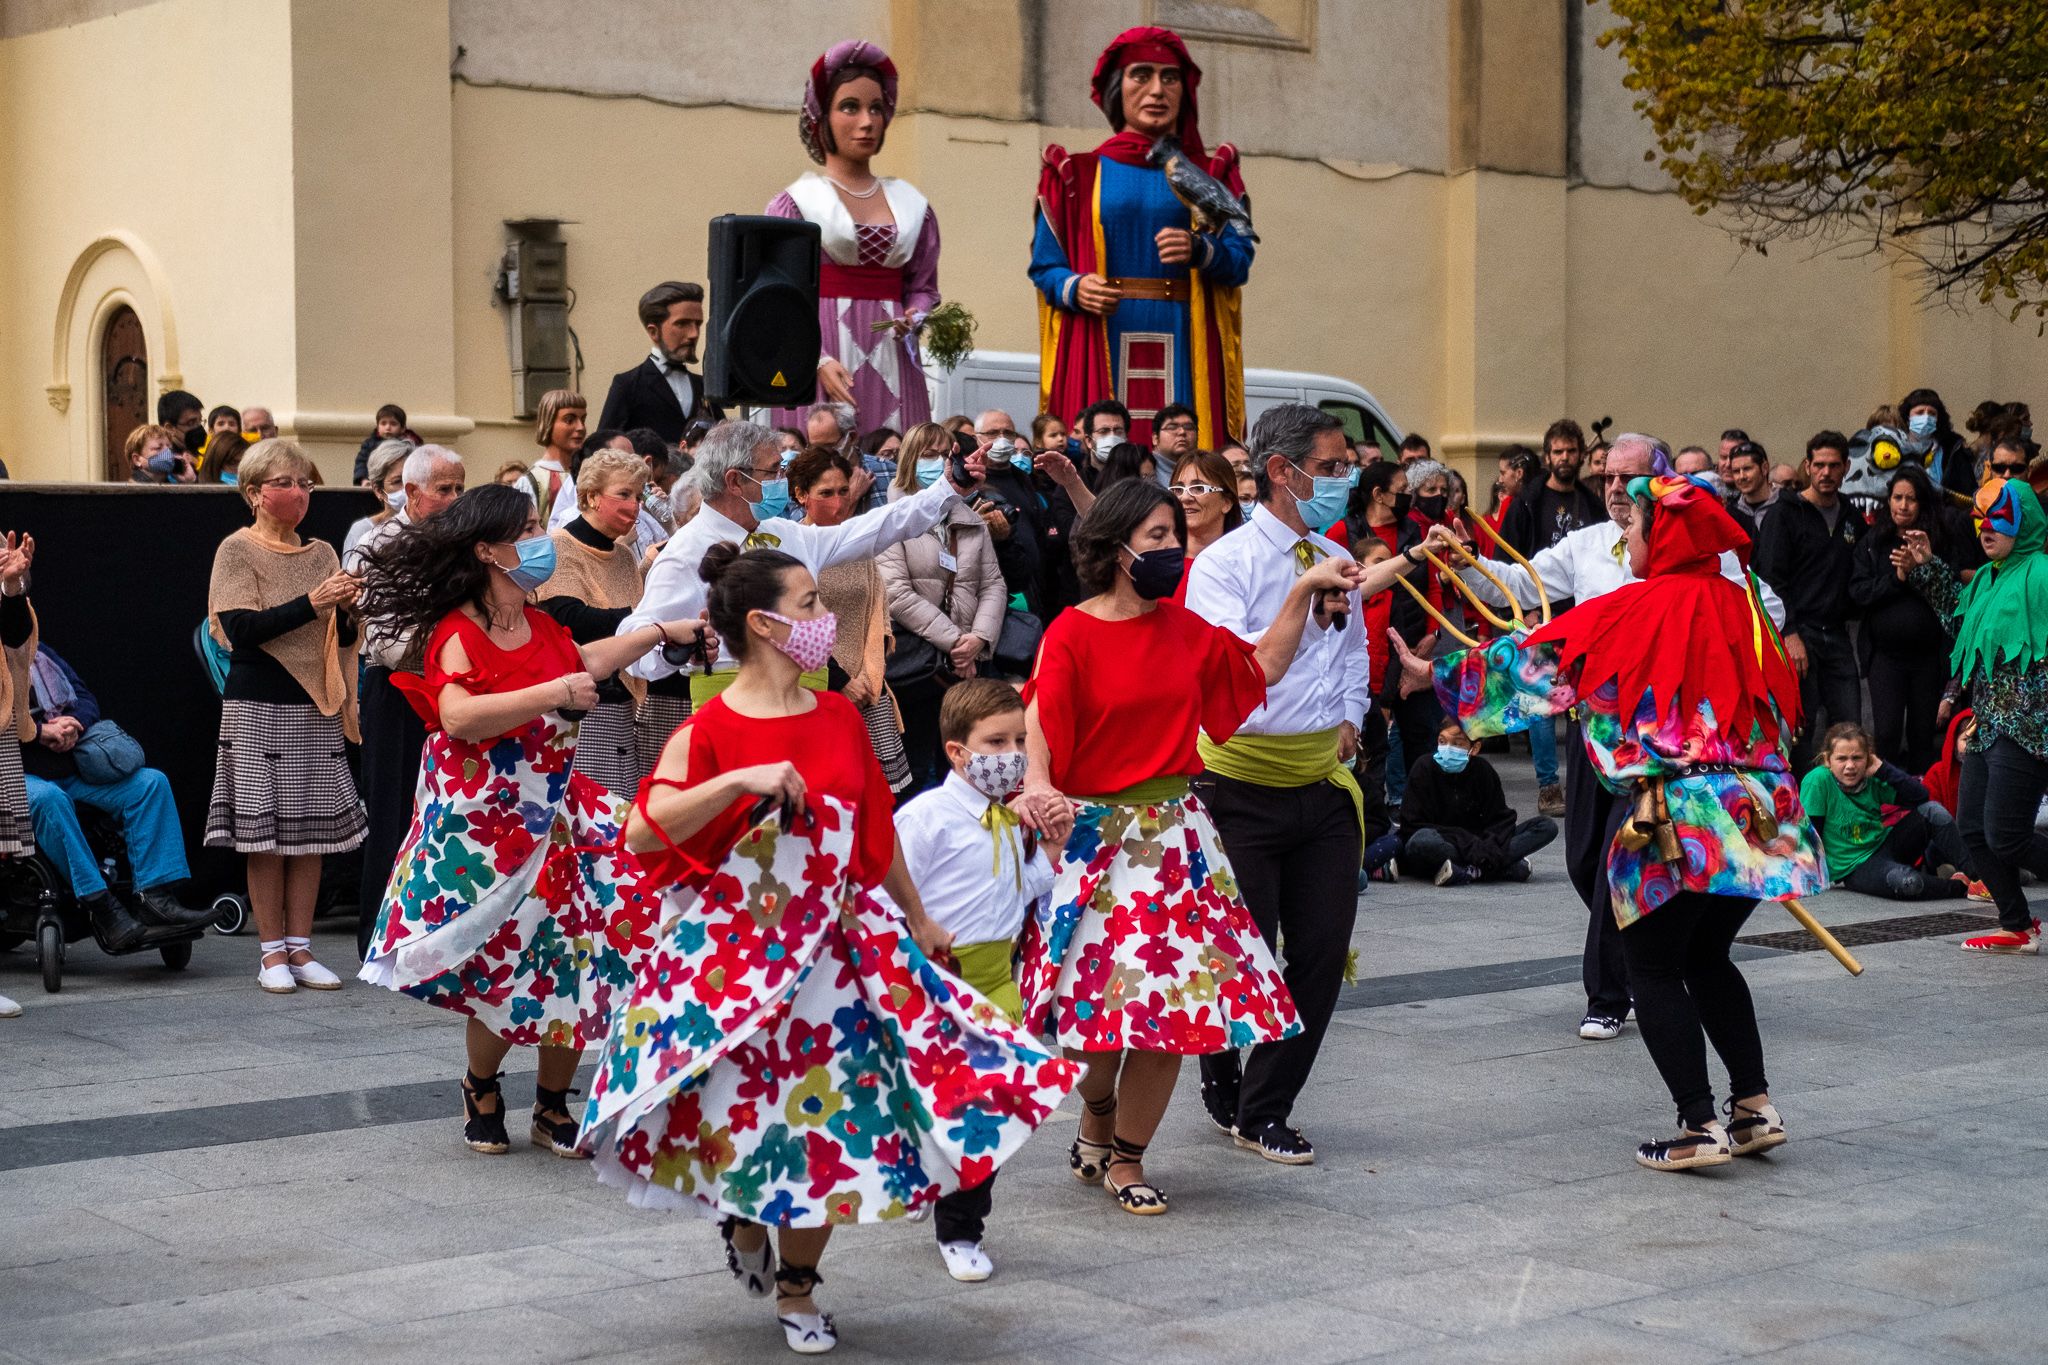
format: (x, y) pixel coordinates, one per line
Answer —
(1456, 824)
(1883, 835)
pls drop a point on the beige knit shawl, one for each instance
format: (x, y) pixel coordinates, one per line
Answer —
(14, 683)
(609, 579)
(253, 574)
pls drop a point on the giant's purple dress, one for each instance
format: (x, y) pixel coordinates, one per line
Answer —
(870, 259)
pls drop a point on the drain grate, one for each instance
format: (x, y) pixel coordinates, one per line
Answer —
(1877, 931)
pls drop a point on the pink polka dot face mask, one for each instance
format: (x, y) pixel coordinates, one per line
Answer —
(810, 642)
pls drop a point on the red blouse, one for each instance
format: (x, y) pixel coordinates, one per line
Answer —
(1120, 701)
(830, 747)
(548, 654)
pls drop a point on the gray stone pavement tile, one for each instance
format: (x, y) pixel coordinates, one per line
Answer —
(43, 1291)
(217, 1324)
(80, 1184)
(412, 1231)
(1759, 1312)
(511, 1332)
(1951, 1268)
(349, 1154)
(190, 1269)
(63, 1234)
(460, 1284)
(1850, 1348)
(1567, 1340)
(1311, 1330)
(2004, 1328)
(209, 1214)
(1496, 1292)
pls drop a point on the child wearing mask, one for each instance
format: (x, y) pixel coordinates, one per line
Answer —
(1456, 825)
(1884, 836)
(978, 871)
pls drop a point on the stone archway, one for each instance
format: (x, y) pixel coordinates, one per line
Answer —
(114, 311)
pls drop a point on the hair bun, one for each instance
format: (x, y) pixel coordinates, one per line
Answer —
(717, 560)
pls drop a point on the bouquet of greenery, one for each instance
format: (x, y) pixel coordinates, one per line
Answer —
(947, 334)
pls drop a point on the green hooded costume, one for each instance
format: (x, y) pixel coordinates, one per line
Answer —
(2003, 614)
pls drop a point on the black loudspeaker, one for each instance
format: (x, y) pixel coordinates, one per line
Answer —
(764, 311)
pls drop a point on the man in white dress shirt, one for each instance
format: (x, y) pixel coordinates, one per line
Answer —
(1288, 812)
(1591, 562)
(746, 501)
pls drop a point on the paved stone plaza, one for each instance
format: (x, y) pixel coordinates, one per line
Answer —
(192, 1170)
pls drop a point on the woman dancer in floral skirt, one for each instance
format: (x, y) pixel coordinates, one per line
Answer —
(789, 1055)
(1144, 953)
(511, 901)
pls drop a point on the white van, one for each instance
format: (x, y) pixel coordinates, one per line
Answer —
(1009, 380)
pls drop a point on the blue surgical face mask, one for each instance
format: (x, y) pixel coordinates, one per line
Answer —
(1246, 508)
(536, 562)
(163, 462)
(930, 472)
(1022, 463)
(230, 478)
(1452, 758)
(1921, 424)
(774, 499)
(1351, 477)
(1325, 506)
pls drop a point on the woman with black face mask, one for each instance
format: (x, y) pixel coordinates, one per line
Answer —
(1114, 964)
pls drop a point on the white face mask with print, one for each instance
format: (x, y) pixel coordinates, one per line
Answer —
(996, 776)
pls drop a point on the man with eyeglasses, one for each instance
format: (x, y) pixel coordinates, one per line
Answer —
(1012, 507)
(1290, 814)
(1592, 562)
(746, 502)
(1173, 435)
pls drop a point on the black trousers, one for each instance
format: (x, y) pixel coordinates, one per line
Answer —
(1999, 792)
(393, 735)
(1831, 686)
(1905, 693)
(1416, 718)
(1295, 851)
(1592, 814)
(1689, 994)
(962, 1215)
(919, 703)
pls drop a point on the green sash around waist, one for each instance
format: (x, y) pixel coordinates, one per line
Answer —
(705, 686)
(1284, 761)
(1154, 791)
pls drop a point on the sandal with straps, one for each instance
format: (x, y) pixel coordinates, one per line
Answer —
(1089, 1161)
(484, 1132)
(1138, 1197)
(808, 1334)
(752, 1269)
(1753, 1131)
(556, 1135)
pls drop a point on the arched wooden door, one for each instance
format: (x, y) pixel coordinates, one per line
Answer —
(124, 372)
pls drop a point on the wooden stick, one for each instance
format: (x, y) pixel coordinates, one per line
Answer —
(1442, 622)
(1542, 595)
(1827, 940)
(1471, 594)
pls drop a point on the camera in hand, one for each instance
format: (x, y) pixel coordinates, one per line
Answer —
(684, 655)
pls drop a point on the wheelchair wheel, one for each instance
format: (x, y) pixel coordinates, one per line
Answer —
(177, 956)
(230, 915)
(50, 952)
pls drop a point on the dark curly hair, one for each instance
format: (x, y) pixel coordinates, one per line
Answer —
(741, 583)
(1108, 527)
(414, 578)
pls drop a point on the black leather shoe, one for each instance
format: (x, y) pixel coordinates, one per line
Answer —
(161, 910)
(111, 922)
(1221, 1083)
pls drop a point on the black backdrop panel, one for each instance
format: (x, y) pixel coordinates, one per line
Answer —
(119, 582)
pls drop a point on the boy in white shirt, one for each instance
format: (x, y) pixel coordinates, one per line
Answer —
(978, 871)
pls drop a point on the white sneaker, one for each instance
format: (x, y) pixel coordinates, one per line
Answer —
(967, 1261)
(314, 977)
(1599, 1027)
(9, 1009)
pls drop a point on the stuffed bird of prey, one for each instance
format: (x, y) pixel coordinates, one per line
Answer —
(1213, 207)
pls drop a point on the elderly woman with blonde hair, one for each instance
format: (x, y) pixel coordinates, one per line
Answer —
(595, 585)
(282, 794)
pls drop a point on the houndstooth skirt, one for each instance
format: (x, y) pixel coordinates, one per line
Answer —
(886, 734)
(281, 782)
(17, 835)
(606, 751)
(660, 717)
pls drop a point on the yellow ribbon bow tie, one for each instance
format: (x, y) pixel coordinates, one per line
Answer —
(1306, 557)
(761, 540)
(995, 820)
